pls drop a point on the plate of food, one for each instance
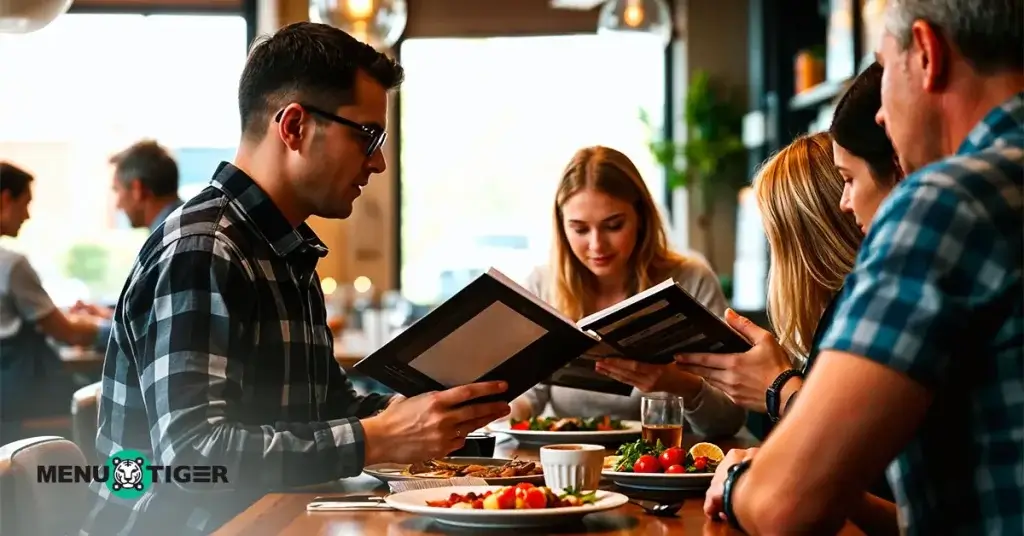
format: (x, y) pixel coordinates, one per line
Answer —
(642, 465)
(495, 471)
(545, 430)
(522, 505)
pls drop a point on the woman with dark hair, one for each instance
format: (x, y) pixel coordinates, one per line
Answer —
(862, 150)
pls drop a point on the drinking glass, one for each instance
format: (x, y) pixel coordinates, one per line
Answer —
(661, 418)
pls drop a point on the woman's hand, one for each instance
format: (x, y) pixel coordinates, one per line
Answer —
(744, 377)
(650, 378)
(713, 497)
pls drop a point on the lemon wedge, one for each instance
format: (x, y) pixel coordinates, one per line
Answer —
(710, 450)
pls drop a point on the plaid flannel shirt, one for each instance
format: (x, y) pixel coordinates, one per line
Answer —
(221, 355)
(936, 295)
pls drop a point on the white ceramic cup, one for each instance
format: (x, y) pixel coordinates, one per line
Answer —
(572, 465)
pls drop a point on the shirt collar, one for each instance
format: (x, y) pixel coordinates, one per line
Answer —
(1004, 119)
(264, 215)
(162, 215)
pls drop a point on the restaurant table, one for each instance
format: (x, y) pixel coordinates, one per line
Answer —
(285, 514)
(82, 360)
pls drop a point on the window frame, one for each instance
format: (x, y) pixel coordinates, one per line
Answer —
(669, 109)
(247, 9)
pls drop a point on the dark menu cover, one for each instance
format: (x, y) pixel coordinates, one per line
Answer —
(493, 329)
(660, 322)
(580, 374)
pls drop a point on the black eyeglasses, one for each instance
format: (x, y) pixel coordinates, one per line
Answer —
(374, 134)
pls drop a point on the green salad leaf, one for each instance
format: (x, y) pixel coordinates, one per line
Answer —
(631, 452)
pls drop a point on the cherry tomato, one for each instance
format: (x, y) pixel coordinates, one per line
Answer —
(507, 499)
(536, 498)
(521, 425)
(700, 463)
(478, 504)
(673, 469)
(646, 464)
(672, 456)
(525, 485)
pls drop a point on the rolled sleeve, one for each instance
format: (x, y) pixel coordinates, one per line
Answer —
(102, 334)
(930, 259)
(194, 360)
(30, 298)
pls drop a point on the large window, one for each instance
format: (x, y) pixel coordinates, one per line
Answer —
(487, 126)
(89, 85)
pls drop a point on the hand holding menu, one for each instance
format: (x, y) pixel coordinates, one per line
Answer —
(494, 329)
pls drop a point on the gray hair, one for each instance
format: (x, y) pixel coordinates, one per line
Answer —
(149, 163)
(988, 33)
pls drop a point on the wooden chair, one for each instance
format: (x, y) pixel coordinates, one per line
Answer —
(29, 507)
(84, 419)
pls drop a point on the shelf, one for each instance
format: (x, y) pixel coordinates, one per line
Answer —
(817, 95)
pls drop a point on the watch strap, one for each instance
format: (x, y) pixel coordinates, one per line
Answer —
(730, 484)
(774, 392)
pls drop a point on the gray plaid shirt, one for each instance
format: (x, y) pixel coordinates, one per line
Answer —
(220, 355)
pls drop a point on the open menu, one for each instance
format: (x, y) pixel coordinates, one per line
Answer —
(494, 329)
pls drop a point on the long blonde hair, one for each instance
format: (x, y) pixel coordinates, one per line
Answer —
(612, 173)
(813, 243)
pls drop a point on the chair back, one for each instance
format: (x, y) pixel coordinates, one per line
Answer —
(85, 418)
(29, 507)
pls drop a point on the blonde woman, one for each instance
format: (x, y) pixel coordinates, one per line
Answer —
(817, 198)
(610, 244)
(852, 168)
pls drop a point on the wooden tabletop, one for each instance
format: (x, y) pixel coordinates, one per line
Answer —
(285, 514)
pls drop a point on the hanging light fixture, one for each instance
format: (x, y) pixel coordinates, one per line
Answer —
(24, 16)
(379, 23)
(647, 18)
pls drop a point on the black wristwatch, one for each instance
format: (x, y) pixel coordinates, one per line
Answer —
(772, 395)
(730, 482)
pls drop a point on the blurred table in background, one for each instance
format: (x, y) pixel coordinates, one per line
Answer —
(81, 360)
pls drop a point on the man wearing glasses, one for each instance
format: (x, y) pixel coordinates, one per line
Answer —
(220, 352)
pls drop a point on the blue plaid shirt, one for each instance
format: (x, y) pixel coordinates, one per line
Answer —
(936, 295)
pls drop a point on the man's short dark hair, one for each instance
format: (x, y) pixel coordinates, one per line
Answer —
(308, 62)
(14, 179)
(150, 164)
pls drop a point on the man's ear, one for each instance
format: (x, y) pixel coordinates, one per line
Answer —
(933, 54)
(136, 189)
(292, 126)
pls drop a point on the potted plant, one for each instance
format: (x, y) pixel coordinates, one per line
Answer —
(709, 161)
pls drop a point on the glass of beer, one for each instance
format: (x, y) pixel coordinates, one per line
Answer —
(661, 418)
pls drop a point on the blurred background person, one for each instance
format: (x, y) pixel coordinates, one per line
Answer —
(145, 184)
(32, 383)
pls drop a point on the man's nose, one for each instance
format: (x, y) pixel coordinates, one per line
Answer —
(377, 162)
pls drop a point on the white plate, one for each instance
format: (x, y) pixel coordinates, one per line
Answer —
(660, 481)
(539, 437)
(389, 472)
(415, 502)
